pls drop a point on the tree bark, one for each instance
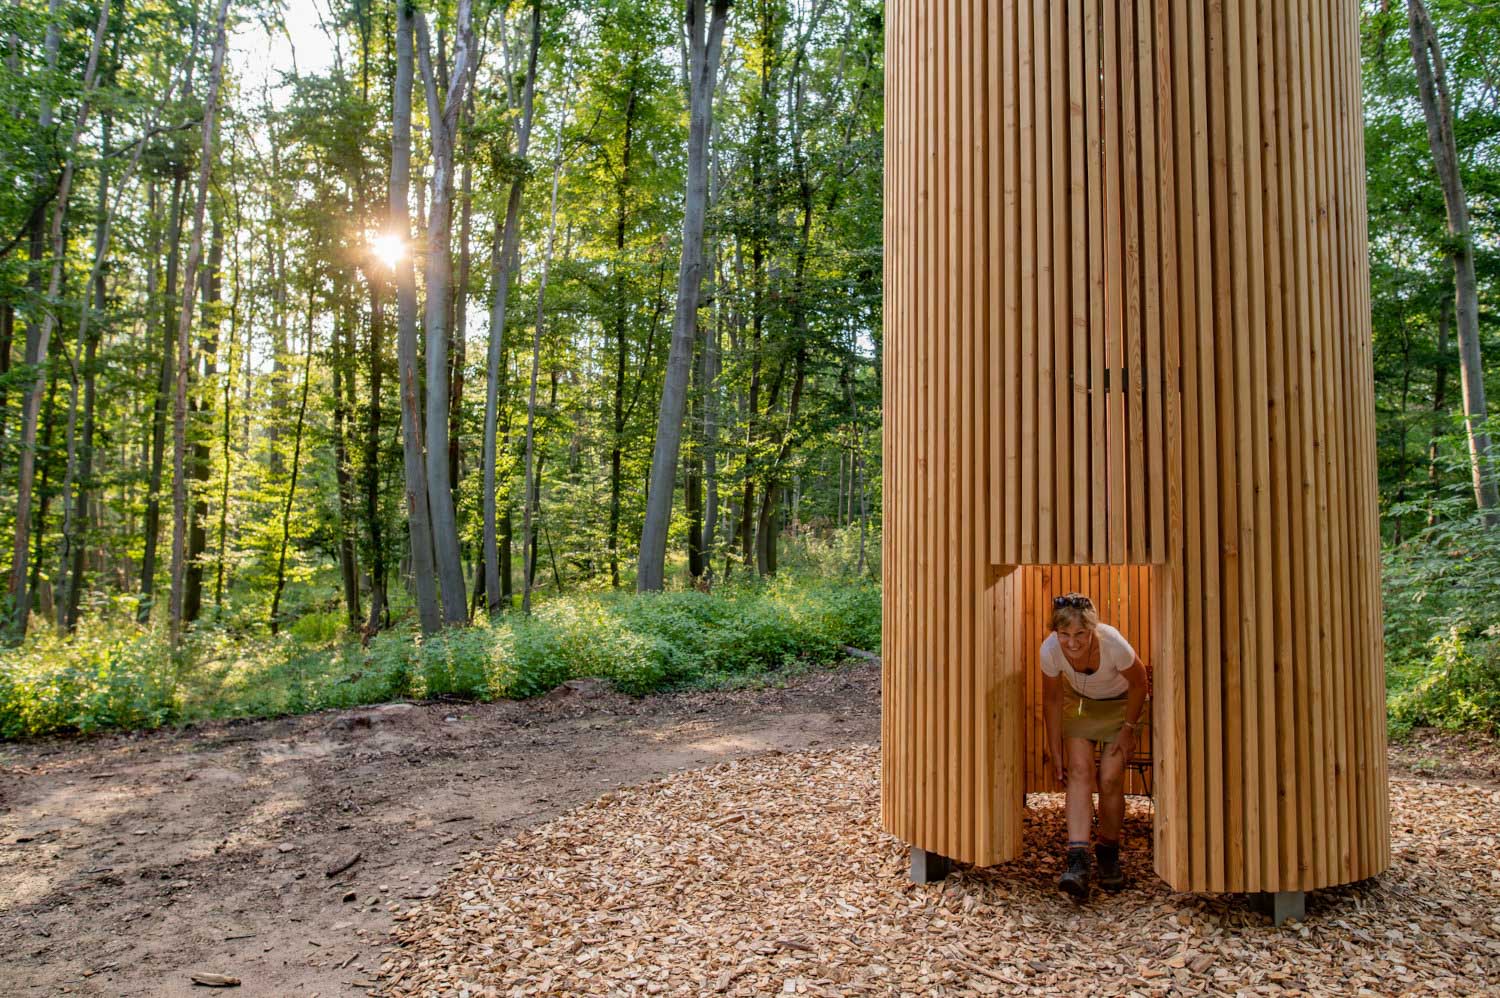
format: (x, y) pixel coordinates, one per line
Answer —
(43, 599)
(622, 313)
(532, 487)
(457, 345)
(152, 529)
(771, 493)
(692, 485)
(208, 344)
(1439, 404)
(184, 327)
(1432, 88)
(376, 554)
(443, 123)
(37, 347)
(224, 451)
(7, 339)
(502, 267)
(80, 453)
(711, 437)
(703, 69)
(418, 521)
(291, 489)
(342, 352)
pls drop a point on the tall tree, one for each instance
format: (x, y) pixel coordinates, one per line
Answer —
(1437, 108)
(419, 525)
(532, 489)
(37, 346)
(442, 120)
(201, 407)
(502, 267)
(704, 42)
(291, 488)
(184, 328)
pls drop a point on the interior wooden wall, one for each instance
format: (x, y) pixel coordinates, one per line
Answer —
(1127, 321)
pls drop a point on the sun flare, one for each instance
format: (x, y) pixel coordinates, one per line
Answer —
(388, 249)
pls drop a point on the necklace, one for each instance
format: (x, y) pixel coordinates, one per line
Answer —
(1088, 656)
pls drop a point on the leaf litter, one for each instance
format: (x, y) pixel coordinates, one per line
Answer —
(771, 875)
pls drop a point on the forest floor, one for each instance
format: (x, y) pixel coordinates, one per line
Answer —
(129, 863)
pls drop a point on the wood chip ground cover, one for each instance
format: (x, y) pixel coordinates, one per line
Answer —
(770, 875)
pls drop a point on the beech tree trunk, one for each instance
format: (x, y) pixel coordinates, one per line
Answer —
(376, 555)
(621, 321)
(208, 343)
(1439, 405)
(703, 71)
(291, 488)
(80, 453)
(532, 488)
(424, 579)
(184, 328)
(711, 440)
(342, 353)
(152, 527)
(502, 267)
(1432, 88)
(443, 124)
(37, 347)
(224, 425)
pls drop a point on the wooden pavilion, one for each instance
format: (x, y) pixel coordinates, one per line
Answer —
(1127, 327)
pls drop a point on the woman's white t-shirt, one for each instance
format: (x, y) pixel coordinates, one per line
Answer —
(1106, 683)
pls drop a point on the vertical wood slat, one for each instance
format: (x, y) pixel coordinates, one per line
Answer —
(950, 445)
(1080, 443)
(1192, 235)
(1152, 378)
(1132, 156)
(1279, 252)
(976, 567)
(1165, 625)
(1049, 476)
(1061, 334)
(1094, 149)
(1029, 253)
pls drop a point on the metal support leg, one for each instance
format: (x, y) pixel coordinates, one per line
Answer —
(929, 867)
(1280, 905)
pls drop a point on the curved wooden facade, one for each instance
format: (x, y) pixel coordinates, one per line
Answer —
(1127, 322)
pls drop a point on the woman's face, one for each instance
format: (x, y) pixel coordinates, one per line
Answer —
(1074, 638)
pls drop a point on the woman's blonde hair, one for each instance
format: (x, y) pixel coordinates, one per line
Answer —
(1074, 608)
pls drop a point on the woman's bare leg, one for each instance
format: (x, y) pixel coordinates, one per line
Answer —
(1080, 752)
(1111, 795)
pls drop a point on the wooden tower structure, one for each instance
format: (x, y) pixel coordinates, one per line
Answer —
(1127, 327)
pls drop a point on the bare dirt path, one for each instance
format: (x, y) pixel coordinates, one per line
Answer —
(129, 863)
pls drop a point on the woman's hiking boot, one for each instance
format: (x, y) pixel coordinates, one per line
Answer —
(1111, 876)
(1075, 879)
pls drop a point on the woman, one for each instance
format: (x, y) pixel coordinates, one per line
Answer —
(1093, 689)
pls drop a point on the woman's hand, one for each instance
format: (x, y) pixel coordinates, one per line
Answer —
(1057, 765)
(1124, 742)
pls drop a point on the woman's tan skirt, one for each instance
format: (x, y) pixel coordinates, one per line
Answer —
(1096, 720)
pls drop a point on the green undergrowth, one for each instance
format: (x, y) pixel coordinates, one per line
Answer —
(114, 675)
(1442, 625)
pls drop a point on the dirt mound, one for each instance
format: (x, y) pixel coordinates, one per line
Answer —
(770, 875)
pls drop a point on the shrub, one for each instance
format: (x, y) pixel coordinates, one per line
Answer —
(456, 663)
(1442, 632)
(114, 674)
(319, 628)
(106, 677)
(1460, 689)
(533, 661)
